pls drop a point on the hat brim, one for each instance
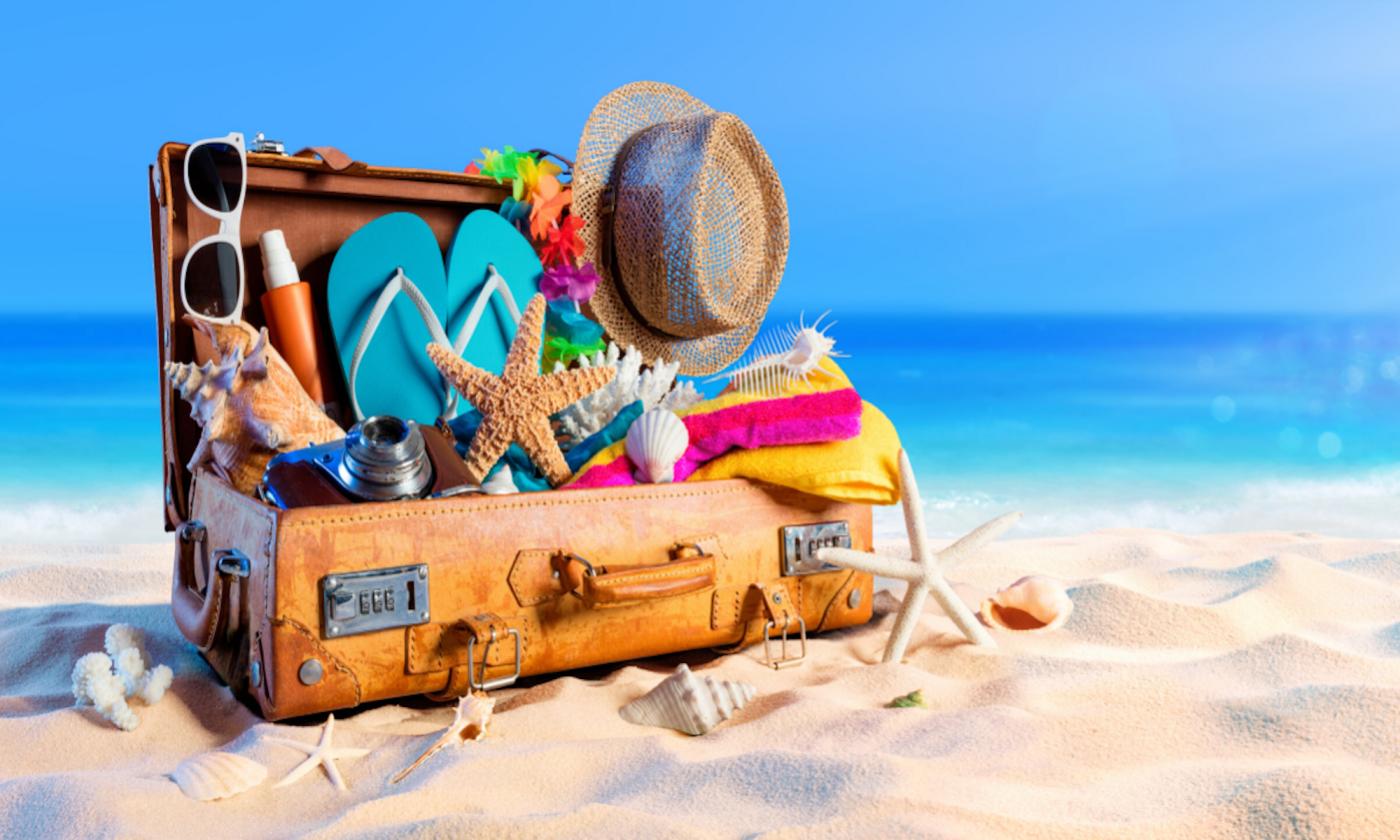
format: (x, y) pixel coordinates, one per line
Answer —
(617, 117)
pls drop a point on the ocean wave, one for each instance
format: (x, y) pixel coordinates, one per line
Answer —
(125, 515)
(1365, 505)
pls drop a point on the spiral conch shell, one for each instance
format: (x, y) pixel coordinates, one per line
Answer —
(1032, 603)
(655, 442)
(217, 775)
(469, 723)
(688, 703)
(249, 404)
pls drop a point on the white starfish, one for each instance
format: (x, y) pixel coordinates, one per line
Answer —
(922, 569)
(322, 753)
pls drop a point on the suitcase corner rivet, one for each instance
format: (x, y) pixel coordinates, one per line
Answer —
(853, 600)
(423, 615)
(332, 583)
(333, 630)
(310, 672)
(422, 571)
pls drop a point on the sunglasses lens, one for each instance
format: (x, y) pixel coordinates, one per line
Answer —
(211, 280)
(216, 176)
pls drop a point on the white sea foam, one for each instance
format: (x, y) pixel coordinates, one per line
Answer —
(124, 515)
(1363, 505)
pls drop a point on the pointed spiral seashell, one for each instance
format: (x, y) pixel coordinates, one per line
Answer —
(1033, 603)
(468, 724)
(218, 775)
(655, 442)
(688, 703)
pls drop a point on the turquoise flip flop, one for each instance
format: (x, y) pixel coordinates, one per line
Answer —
(483, 307)
(393, 375)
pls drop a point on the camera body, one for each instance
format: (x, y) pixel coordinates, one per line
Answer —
(381, 459)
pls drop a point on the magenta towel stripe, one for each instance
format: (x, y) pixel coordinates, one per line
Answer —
(805, 418)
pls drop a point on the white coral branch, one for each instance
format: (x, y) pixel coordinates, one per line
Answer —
(655, 386)
(106, 680)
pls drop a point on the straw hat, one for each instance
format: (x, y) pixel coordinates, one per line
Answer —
(685, 221)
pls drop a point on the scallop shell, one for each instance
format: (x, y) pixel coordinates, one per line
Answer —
(218, 775)
(688, 703)
(655, 442)
(1034, 603)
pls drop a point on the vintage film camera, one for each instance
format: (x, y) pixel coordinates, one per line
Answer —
(381, 459)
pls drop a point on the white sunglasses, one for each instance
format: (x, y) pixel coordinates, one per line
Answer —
(216, 169)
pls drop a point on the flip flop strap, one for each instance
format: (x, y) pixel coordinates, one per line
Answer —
(398, 283)
(494, 283)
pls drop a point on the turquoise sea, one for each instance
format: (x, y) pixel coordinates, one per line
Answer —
(1194, 423)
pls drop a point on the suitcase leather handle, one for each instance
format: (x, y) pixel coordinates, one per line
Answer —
(610, 587)
(199, 616)
(334, 159)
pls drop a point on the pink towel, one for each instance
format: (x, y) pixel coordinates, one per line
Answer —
(804, 418)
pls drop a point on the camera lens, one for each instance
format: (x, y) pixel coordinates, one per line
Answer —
(385, 458)
(384, 431)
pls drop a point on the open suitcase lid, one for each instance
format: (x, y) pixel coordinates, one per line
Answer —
(317, 202)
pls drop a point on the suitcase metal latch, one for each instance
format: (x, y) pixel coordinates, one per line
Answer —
(378, 599)
(801, 543)
(782, 617)
(484, 684)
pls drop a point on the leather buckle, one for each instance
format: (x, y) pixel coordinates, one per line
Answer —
(484, 684)
(783, 660)
(776, 607)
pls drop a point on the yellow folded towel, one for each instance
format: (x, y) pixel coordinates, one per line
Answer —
(864, 468)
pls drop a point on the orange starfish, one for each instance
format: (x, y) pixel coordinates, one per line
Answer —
(516, 405)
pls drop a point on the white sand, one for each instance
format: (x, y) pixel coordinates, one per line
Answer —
(1224, 686)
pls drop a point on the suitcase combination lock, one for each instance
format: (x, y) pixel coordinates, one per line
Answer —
(801, 543)
(378, 599)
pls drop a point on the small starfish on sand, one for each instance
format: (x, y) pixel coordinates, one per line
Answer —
(516, 405)
(322, 753)
(922, 568)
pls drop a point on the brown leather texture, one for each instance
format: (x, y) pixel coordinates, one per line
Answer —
(491, 563)
(575, 577)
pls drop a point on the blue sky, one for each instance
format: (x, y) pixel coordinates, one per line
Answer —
(984, 157)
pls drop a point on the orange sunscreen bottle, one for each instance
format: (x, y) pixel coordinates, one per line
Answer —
(291, 317)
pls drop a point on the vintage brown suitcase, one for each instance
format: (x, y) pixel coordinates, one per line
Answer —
(320, 608)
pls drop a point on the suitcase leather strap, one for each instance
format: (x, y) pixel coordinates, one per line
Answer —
(475, 652)
(334, 159)
(691, 569)
(755, 607)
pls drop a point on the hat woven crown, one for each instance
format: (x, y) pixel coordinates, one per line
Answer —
(690, 230)
(686, 221)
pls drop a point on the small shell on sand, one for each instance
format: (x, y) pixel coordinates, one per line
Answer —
(688, 703)
(1033, 603)
(469, 723)
(218, 775)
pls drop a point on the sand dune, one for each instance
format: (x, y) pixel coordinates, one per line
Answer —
(1225, 686)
